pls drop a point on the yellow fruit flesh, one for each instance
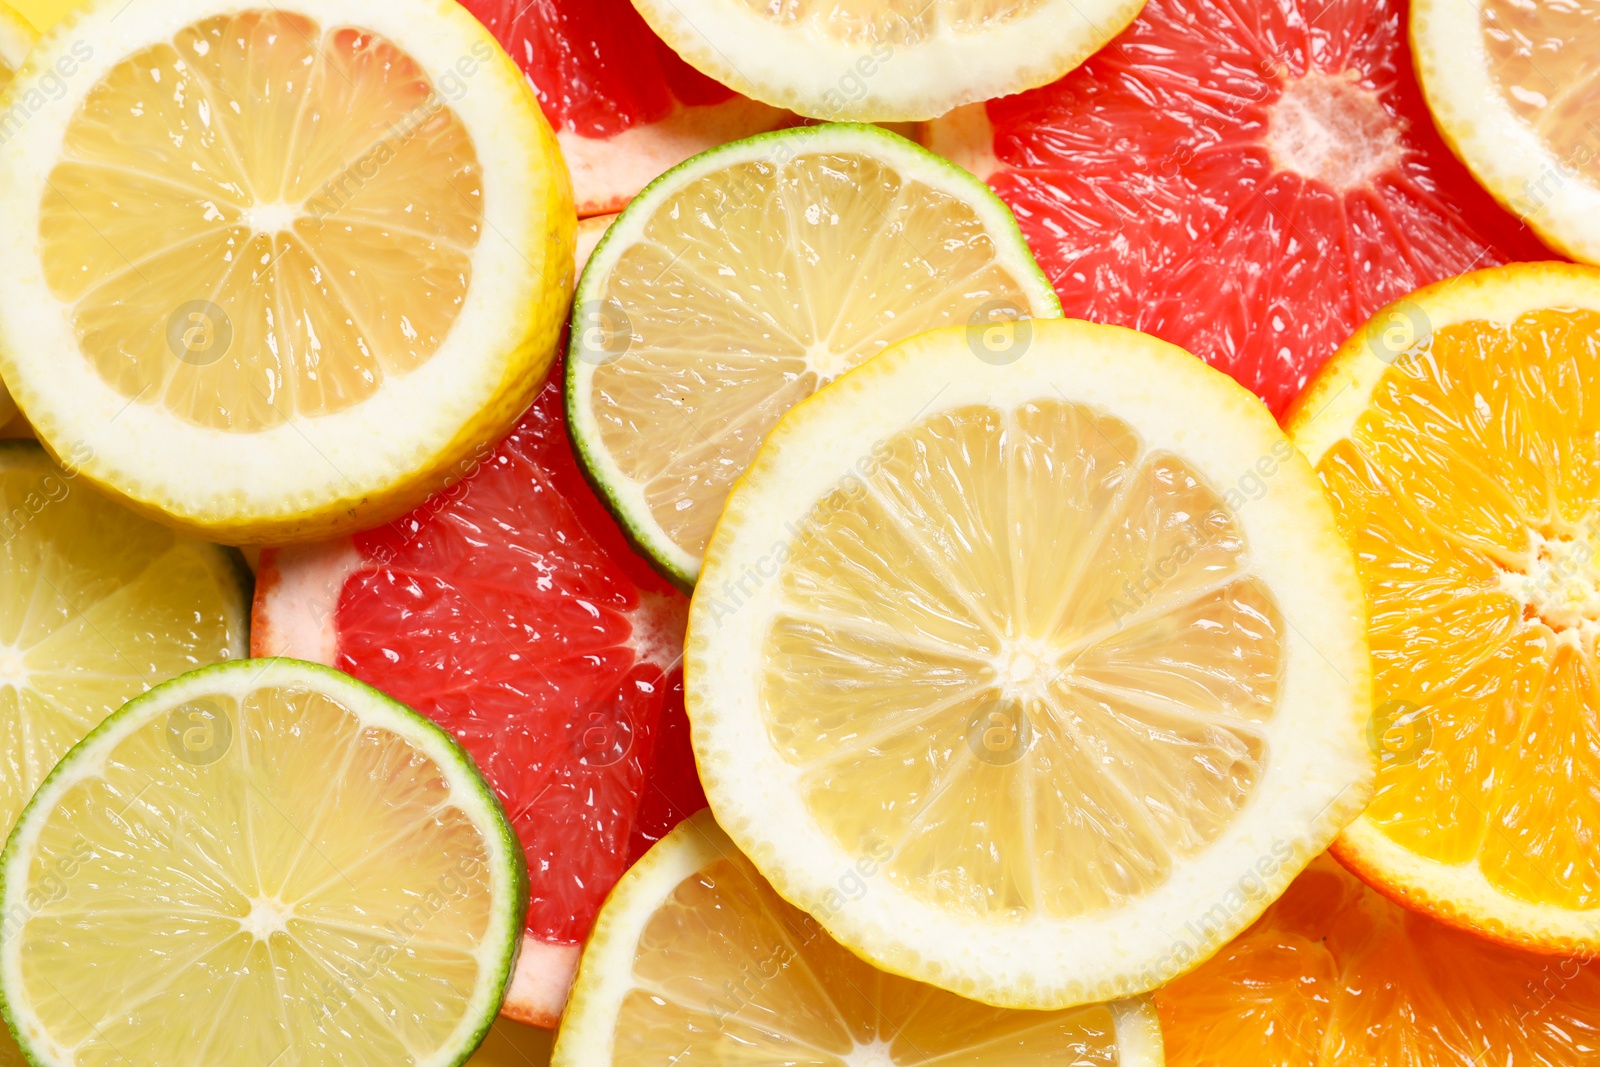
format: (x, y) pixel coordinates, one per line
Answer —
(727, 972)
(893, 22)
(1046, 700)
(1335, 974)
(1545, 60)
(262, 220)
(100, 606)
(235, 888)
(731, 319)
(1468, 490)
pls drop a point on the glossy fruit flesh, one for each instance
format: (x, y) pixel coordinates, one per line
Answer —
(311, 239)
(1544, 62)
(1335, 974)
(1469, 491)
(1101, 663)
(511, 611)
(1249, 181)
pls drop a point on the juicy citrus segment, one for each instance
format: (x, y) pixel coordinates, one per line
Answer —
(1119, 622)
(260, 243)
(1034, 642)
(738, 285)
(1247, 180)
(696, 957)
(885, 60)
(256, 858)
(16, 37)
(1515, 87)
(1333, 973)
(100, 606)
(328, 219)
(1465, 476)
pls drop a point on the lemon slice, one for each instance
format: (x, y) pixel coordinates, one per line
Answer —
(745, 279)
(1070, 648)
(695, 959)
(278, 271)
(16, 38)
(1457, 435)
(885, 60)
(259, 863)
(1515, 89)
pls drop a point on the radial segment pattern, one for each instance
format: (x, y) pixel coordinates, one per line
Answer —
(1027, 625)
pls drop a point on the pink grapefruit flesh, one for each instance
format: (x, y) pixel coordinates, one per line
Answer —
(1248, 179)
(510, 610)
(624, 106)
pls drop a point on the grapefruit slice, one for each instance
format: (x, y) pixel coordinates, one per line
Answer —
(1334, 974)
(624, 106)
(511, 611)
(1247, 180)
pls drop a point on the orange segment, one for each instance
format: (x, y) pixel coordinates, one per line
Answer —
(1335, 974)
(1463, 471)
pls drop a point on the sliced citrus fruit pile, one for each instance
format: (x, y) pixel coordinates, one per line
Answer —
(696, 959)
(1068, 647)
(1333, 973)
(1247, 180)
(1515, 88)
(188, 862)
(878, 60)
(749, 277)
(510, 610)
(1457, 436)
(100, 605)
(624, 106)
(285, 268)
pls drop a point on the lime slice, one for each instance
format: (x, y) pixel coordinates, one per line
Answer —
(1070, 648)
(287, 269)
(744, 280)
(695, 959)
(100, 606)
(261, 862)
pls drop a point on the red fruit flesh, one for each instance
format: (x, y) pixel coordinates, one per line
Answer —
(1248, 179)
(511, 610)
(623, 105)
(598, 69)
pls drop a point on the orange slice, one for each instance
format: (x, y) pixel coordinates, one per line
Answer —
(1458, 435)
(1334, 974)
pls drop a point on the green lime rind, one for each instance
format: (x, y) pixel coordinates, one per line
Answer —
(506, 856)
(906, 156)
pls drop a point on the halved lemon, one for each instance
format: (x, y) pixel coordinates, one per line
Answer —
(277, 271)
(695, 959)
(1514, 87)
(885, 60)
(745, 279)
(16, 38)
(260, 863)
(1068, 649)
(1458, 434)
